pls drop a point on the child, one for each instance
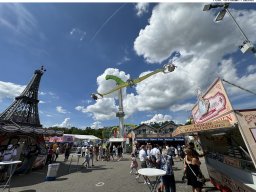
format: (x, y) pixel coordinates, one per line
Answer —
(134, 164)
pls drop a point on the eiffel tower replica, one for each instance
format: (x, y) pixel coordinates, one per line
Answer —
(23, 112)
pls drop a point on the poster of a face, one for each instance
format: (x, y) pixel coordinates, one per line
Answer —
(253, 130)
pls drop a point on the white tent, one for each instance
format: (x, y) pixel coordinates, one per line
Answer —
(83, 137)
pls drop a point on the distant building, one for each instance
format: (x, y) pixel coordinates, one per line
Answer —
(163, 135)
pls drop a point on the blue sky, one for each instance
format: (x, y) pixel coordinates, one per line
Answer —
(80, 43)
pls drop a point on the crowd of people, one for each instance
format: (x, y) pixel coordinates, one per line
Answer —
(90, 153)
(154, 156)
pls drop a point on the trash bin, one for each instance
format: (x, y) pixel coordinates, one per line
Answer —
(52, 171)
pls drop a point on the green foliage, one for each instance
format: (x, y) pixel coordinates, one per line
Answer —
(104, 133)
(74, 130)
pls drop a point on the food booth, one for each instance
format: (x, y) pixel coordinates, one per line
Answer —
(227, 136)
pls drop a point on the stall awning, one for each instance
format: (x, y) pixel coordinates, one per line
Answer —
(188, 129)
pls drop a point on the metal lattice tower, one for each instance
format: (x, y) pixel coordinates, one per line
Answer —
(24, 110)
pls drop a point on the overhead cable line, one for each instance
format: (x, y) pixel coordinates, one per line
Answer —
(239, 87)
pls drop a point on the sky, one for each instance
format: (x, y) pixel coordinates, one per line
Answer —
(80, 43)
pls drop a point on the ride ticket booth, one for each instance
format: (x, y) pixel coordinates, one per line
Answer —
(227, 136)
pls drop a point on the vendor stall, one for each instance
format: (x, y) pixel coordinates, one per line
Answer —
(227, 136)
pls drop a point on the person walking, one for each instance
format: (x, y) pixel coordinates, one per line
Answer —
(57, 152)
(91, 153)
(143, 159)
(86, 158)
(83, 151)
(67, 152)
(134, 164)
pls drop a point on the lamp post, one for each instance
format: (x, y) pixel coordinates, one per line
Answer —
(247, 45)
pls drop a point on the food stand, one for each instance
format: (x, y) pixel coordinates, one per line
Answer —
(229, 138)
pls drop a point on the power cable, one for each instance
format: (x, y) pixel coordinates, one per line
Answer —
(239, 87)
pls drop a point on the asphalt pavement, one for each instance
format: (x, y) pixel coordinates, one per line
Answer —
(104, 176)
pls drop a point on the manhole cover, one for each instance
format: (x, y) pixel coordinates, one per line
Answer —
(99, 184)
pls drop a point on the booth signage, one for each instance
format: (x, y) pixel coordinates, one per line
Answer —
(247, 122)
(201, 127)
(213, 104)
(161, 139)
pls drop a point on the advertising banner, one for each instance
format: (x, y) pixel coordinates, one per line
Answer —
(213, 105)
(186, 129)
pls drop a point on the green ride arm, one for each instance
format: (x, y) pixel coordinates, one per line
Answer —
(147, 76)
(118, 80)
(121, 84)
(115, 89)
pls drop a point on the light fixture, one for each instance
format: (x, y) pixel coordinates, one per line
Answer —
(220, 16)
(247, 45)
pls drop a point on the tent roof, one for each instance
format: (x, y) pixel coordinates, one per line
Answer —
(91, 137)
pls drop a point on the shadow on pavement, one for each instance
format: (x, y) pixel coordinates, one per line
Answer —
(38, 176)
(30, 190)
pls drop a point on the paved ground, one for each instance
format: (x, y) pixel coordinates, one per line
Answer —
(112, 176)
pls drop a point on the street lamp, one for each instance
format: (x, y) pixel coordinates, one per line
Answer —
(247, 45)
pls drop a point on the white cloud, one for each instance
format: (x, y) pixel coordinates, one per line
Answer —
(158, 118)
(42, 102)
(141, 8)
(66, 123)
(96, 125)
(103, 109)
(182, 107)
(60, 109)
(42, 93)
(21, 20)
(251, 68)
(10, 90)
(105, 86)
(171, 29)
(228, 72)
(80, 108)
(123, 60)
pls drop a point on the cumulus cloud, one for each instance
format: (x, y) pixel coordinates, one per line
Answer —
(10, 90)
(105, 86)
(96, 125)
(60, 109)
(103, 109)
(251, 68)
(201, 49)
(141, 8)
(66, 123)
(198, 52)
(157, 118)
